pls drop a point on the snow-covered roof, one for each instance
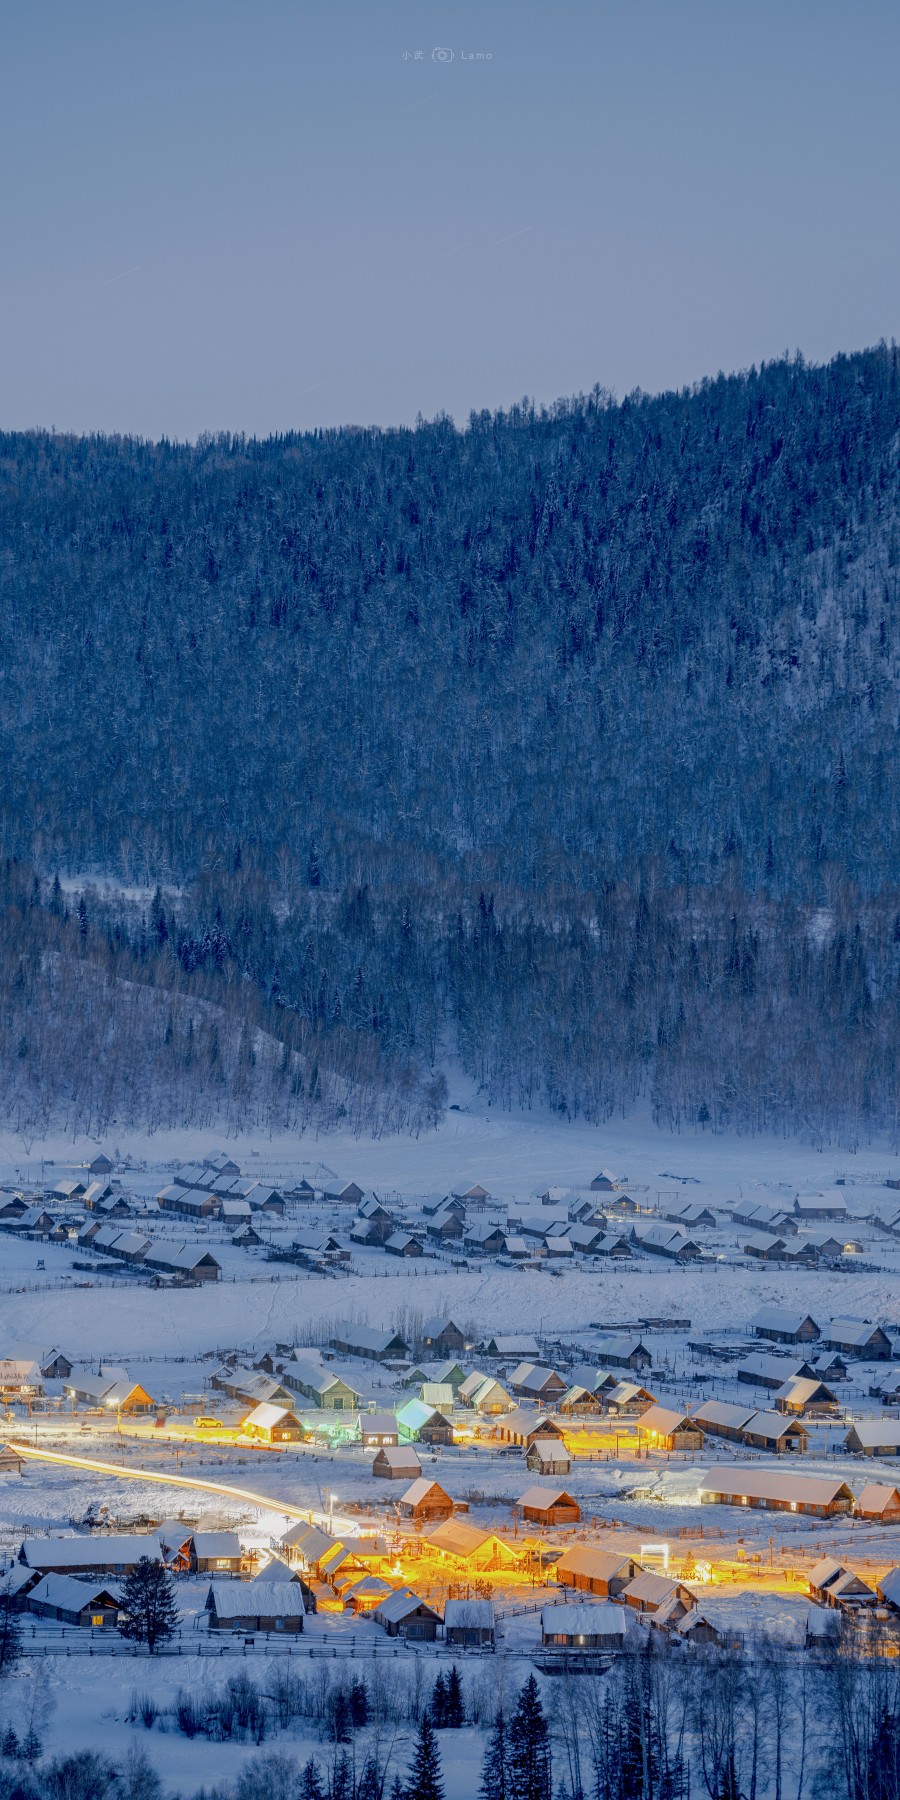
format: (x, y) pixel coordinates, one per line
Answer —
(88, 1552)
(418, 1490)
(216, 1543)
(256, 1599)
(583, 1618)
(761, 1484)
(67, 1592)
(544, 1497)
(397, 1606)
(780, 1318)
(877, 1497)
(598, 1565)
(877, 1434)
(469, 1614)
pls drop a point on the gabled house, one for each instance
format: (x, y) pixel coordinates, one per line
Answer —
(364, 1341)
(603, 1572)
(874, 1437)
(782, 1325)
(625, 1353)
(323, 1386)
(858, 1338)
(536, 1383)
(880, 1502)
(549, 1506)
(418, 1422)
(667, 1428)
(583, 1626)
(425, 1499)
(402, 1243)
(397, 1463)
(443, 1334)
(404, 1615)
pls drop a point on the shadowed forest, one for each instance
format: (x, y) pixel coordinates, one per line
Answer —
(564, 742)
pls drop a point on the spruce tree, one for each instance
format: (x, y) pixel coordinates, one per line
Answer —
(311, 1787)
(529, 1751)
(439, 1702)
(148, 1605)
(359, 1704)
(10, 1745)
(340, 1718)
(494, 1774)
(455, 1712)
(425, 1781)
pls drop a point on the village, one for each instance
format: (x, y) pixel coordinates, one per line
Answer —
(368, 1479)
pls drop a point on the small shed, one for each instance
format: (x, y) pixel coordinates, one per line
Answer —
(11, 1463)
(425, 1499)
(583, 1625)
(549, 1506)
(404, 1615)
(547, 1456)
(396, 1463)
(255, 1606)
(102, 1164)
(469, 1623)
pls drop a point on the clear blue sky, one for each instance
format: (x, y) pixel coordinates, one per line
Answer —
(261, 215)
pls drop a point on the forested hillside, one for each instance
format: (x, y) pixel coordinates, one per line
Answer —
(568, 738)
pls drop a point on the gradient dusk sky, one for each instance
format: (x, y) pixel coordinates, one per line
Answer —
(273, 214)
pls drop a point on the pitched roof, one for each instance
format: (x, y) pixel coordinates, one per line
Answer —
(597, 1565)
(583, 1618)
(545, 1497)
(398, 1606)
(760, 1484)
(256, 1599)
(418, 1490)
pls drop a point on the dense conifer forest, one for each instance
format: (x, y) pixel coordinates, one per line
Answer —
(564, 741)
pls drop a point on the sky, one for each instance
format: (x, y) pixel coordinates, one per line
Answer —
(261, 215)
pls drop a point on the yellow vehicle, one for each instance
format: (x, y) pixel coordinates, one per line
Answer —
(205, 1423)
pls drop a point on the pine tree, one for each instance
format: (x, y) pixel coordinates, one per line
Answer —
(529, 1751)
(311, 1787)
(10, 1745)
(398, 1791)
(341, 1787)
(425, 1781)
(340, 1718)
(439, 1702)
(494, 1775)
(455, 1714)
(10, 1634)
(31, 1746)
(359, 1704)
(148, 1605)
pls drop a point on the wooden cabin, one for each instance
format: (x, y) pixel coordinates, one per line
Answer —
(425, 1499)
(549, 1506)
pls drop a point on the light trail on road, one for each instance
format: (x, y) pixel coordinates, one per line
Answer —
(186, 1481)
